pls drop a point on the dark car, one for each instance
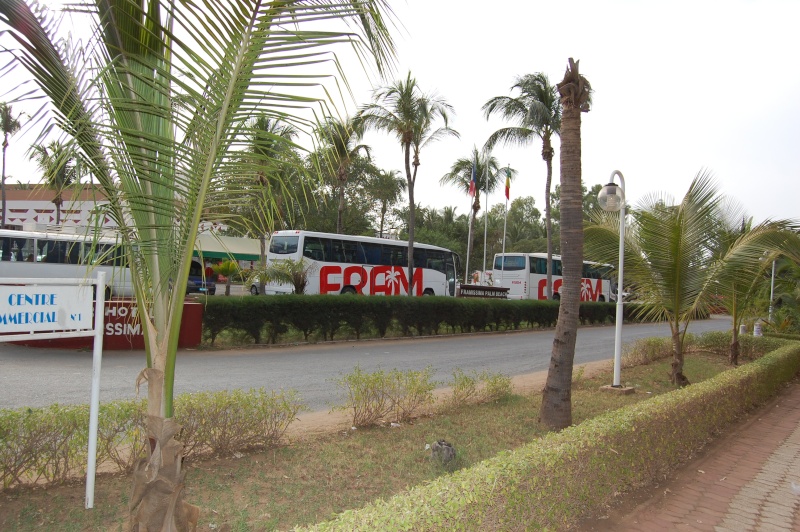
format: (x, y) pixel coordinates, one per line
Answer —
(198, 284)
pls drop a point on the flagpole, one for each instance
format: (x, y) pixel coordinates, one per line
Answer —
(505, 225)
(485, 219)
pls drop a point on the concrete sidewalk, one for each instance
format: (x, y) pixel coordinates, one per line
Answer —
(747, 480)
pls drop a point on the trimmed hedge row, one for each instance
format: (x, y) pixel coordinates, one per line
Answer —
(266, 319)
(553, 482)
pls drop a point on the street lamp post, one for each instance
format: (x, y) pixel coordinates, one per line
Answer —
(612, 198)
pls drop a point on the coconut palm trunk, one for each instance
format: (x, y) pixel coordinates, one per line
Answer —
(556, 410)
(547, 155)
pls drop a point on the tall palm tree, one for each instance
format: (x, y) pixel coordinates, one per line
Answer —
(59, 170)
(537, 112)
(403, 110)
(340, 140)
(556, 411)
(386, 187)
(486, 171)
(271, 148)
(158, 163)
(11, 125)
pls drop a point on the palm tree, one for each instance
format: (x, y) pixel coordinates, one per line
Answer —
(403, 110)
(681, 256)
(556, 411)
(10, 125)
(159, 163)
(271, 148)
(486, 171)
(59, 170)
(386, 187)
(537, 112)
(340, 140)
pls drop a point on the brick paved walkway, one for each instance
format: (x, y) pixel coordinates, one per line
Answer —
(750, 480)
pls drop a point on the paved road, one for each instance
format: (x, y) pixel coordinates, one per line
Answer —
(39, 377)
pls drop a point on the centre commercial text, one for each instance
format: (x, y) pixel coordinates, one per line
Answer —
(26, 316)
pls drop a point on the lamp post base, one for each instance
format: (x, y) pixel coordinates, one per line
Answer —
(620, 390)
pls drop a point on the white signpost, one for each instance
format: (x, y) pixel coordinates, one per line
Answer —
(40, 309)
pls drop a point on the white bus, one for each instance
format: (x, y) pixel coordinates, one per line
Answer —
(346, 264)
(62, 254)
(525, 275)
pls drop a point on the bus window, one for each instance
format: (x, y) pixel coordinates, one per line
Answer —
(434, 260)
(539, 265)
(317, 248)
(510, 264)
(394, 255)
(283, 245)
(556, 267)
(16, 249)
(344, 251)
(420, 258)
(372, 253)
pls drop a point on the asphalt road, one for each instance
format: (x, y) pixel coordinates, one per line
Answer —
(35, 377)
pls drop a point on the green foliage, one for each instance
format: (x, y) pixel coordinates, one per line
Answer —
(553, 482)
(50, 444)
(325, 316)
(477, 387)
(371, 397)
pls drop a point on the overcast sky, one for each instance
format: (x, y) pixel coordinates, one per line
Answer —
(678, 87)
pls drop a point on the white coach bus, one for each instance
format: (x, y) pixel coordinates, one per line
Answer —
(346, 264)
(62, 254)
(525, 275)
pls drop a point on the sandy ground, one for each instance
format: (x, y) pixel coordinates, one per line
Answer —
(324, 422)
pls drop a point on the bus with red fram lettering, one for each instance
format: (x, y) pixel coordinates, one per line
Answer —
(525, 276)
(347, 264)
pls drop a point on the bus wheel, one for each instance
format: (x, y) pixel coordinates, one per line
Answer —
(427, 292)
(348, 290)
(557, 296)
(602, 299)
(254, 290)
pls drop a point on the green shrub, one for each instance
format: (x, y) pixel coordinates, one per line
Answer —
(51, 444)
(409, 391)
(477, 388)
(372, 397)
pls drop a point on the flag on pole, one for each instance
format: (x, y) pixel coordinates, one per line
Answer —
(508, 181)
(473, 183)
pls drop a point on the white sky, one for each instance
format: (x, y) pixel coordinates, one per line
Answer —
(678, 87)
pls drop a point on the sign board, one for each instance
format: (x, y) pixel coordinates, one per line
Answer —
(32, 308)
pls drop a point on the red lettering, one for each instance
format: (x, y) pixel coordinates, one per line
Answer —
(355, 271)
(326, 284)
(588, 293)
(393, 281)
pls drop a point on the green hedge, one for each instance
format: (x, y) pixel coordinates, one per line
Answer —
(273, 319)
(551, 483)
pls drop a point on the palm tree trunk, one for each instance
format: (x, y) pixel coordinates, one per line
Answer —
(677, 376)
(262, 243)
(547, 155)
(556, 409)
(412, 215)
(733, 357)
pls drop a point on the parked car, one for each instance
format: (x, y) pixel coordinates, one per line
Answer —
(198, 283)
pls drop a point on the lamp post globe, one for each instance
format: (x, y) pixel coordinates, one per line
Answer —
(612, 198)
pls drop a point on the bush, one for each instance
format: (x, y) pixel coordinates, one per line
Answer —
(371, 397)
(477, 388)
(51, 444)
